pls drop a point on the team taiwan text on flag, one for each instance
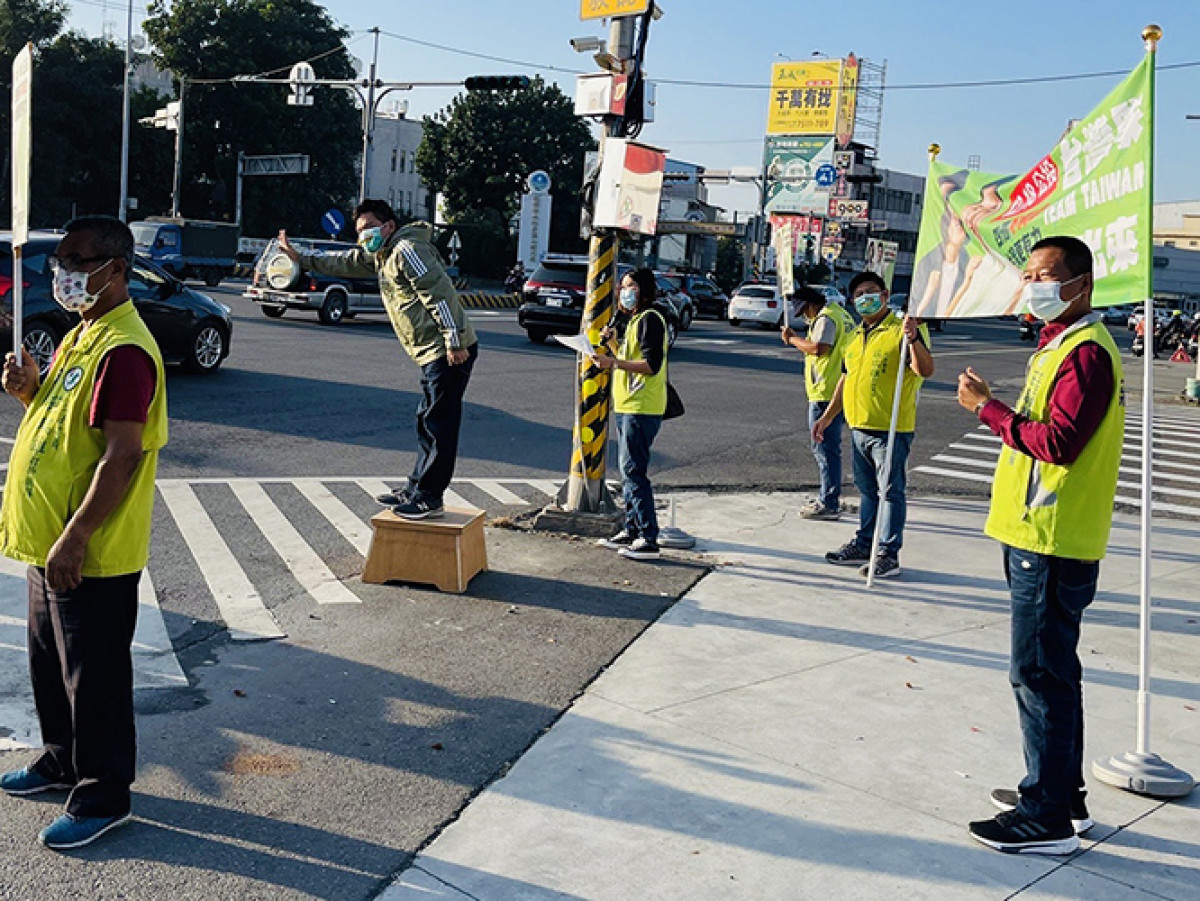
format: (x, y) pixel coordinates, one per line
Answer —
(977, 228)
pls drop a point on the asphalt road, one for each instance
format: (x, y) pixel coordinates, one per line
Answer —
(316, 764)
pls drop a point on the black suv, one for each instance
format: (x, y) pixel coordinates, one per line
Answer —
(554, 297)
(708, 299)
(191, 328)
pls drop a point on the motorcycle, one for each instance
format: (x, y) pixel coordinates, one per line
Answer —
(1029, 329)
(514, 282)
(1139, 345)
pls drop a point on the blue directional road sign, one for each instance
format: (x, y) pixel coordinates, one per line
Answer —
(825, 175)
(333, 222)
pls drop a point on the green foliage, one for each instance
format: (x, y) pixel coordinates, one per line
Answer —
(730, 257)
(217, 39)
(27, 21)
(479, 150)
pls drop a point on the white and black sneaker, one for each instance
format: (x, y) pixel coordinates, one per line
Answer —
(1007, 799)
(641, 549)
(1015, 833)
(622, 539)
(887, 566)
(395, 498)
(849, 554)
(418, 508)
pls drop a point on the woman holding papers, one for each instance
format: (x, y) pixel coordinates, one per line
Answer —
(639, 401)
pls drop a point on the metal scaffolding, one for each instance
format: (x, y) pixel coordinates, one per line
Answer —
(868, 116)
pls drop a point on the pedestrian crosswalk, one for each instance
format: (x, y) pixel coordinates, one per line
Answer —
(1176, 469)
(240, 534)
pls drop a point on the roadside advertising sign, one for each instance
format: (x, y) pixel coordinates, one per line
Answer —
(605, 9)
(881, 259)
(847, 101)
(791, 163)
(977, 228)
(851, 210)
(630, 187)
(804, 98)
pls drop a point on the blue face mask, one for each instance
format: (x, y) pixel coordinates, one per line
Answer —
(627, 298)
(868, 304)
(371, 239)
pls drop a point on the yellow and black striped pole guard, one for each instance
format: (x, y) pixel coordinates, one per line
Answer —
(586, 490)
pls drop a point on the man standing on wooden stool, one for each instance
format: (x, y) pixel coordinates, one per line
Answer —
(430, 322)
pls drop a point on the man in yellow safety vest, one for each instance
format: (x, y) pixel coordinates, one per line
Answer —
(1052, 503)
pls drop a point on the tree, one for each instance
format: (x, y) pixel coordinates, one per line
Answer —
(207, 42)
(731, 255)
(479, 150)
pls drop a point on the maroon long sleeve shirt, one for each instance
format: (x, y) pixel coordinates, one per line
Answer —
(1082, 390)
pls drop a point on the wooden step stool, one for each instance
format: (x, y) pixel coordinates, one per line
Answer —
(445, 552)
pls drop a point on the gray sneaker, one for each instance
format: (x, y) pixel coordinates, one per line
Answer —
(886, 567)
(1081, 822)
(817, 510)
(849, 554)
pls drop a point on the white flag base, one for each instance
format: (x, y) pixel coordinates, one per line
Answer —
(675, 538)
(1144, 774)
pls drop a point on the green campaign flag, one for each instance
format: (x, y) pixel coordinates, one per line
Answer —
(977, 228)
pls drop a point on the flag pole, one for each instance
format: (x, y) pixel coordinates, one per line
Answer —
(1143, 771)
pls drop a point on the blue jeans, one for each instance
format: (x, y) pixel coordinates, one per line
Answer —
(828, 454)
(870, 454)
(1049, 595)
(635, 434)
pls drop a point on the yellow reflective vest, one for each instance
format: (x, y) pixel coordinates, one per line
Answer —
(56, 452)
(634, 392)
(821, 373)
(872, 362)
(1061, 511)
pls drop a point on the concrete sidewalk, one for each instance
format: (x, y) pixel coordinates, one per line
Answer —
(782, 733)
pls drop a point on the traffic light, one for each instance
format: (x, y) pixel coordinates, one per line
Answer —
(497, 83)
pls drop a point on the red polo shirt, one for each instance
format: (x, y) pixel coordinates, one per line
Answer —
(1082, 389)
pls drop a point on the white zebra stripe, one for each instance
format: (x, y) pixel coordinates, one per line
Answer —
(302, 561)
(240, 604)
(339, 515)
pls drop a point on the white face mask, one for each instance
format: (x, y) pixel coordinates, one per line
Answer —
(627, 298)
(1044, 299)
(70, 289)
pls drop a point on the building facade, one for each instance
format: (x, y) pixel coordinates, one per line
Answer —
(393, 176)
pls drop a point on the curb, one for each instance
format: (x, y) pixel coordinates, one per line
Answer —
(482, 301)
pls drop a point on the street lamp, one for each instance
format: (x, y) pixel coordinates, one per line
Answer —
(123, 213)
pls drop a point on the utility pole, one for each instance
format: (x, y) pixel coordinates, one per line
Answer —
(586, 490)
(123, 213)
(178, 182)
(369, 121)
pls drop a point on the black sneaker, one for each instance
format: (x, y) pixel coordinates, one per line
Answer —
(418, 508)
(1014, 833)
(849, 554)
(622, 539)
(640, 549)
(1007, 798)
(395, 498)
(886, 567)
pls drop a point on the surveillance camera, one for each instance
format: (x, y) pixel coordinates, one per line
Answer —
(586, 44)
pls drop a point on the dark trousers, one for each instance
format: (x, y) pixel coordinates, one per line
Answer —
(439, 418)
(1049, 595)
(635, 435)
(82, 671)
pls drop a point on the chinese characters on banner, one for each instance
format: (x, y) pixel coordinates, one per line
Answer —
(977, 228)
(791, 164)
(804, 98)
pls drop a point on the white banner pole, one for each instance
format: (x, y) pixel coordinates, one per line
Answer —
(22, 88)
(886, 482)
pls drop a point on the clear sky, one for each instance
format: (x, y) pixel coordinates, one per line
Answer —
(922, 41)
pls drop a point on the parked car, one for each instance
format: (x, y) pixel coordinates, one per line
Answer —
(685, 307)
(707, 298)
(1118, 315)
(831, 293)
(191, 328)
(756, 302)
(279, 285)
(555, 295)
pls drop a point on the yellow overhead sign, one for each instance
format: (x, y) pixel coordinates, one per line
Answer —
(804, 98)
(605, 9)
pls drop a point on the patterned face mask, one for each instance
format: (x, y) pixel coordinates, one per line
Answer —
(70, 289)
(371, 239)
